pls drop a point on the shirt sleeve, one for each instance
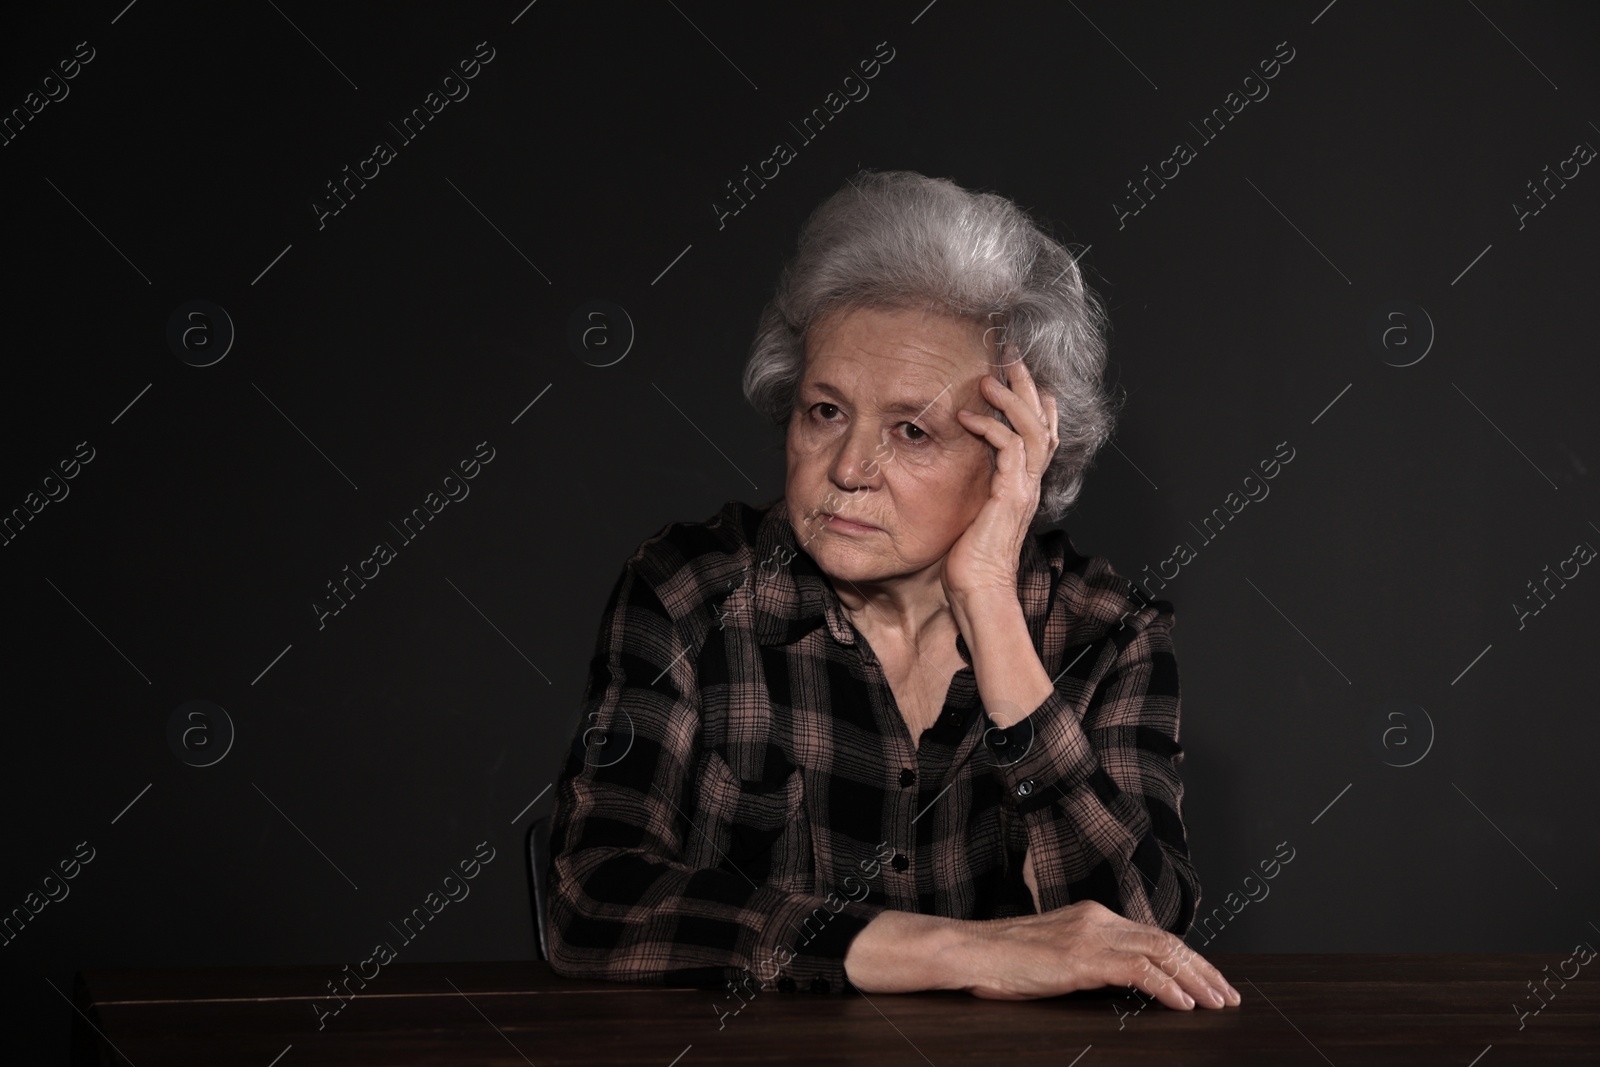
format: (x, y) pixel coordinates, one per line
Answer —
(629, 804)
(1092, 774)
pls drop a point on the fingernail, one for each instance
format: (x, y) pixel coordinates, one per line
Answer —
(1236, 997)
(1188, 1001)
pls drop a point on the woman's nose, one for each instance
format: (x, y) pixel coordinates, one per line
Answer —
(853, 465)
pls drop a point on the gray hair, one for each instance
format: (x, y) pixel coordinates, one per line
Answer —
(899, 240)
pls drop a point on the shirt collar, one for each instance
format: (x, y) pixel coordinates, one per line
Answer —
(791, 601)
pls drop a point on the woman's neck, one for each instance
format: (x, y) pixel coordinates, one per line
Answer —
(914, 617)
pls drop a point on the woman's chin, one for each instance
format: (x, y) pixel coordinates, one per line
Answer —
(845, 558)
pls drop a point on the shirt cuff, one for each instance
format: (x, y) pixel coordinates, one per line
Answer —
(803, 945)
(1044, 756)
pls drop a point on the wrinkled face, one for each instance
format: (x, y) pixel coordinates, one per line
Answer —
(874, 440)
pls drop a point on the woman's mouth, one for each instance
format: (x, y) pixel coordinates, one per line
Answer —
(844, 525)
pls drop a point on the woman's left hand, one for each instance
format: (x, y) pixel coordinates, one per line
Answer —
(984, 559)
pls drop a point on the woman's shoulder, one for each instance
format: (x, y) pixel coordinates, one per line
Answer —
(689, 563)
(1089, 591)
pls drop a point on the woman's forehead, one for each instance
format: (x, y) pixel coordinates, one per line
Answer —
(929, 321)
(905, 351)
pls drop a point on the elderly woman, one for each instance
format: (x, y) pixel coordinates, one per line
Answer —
(881, 734)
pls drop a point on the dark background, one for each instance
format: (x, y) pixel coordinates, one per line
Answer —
(373, 354)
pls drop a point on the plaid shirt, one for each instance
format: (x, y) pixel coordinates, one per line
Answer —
(743, 796)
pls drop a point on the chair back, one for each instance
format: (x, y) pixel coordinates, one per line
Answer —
(539, 877)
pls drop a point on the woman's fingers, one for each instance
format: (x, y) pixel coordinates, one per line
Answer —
(1032, 416)
(992, 430)
(1007, 439)
(1144, 975)
(1019, 396)
(1182, 983)
(1176, 961)
(1203, 971)
(1173, 960)
(1018, 468)
(1184, 965)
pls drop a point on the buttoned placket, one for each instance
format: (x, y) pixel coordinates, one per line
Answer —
(916, 773)
(900, 890)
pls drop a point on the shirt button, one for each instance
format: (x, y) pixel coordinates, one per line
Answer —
(900, 862)
(819, 985)
(786, 984)
(1025, 787)
(907, 777)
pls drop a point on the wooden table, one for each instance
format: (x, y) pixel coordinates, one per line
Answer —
(1298, 1009)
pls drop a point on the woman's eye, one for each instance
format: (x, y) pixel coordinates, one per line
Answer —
(920, 433)
(818, 408)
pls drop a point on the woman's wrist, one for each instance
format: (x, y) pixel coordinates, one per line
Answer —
(1011, 679)
(963, 954)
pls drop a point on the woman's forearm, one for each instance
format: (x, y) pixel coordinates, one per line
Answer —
(907, 952)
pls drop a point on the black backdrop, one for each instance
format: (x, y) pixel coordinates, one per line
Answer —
(1348, 265)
